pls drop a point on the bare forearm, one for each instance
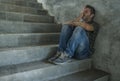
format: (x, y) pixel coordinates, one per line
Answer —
(84, 25)
(88, 27)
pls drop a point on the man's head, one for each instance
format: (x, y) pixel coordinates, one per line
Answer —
(88, 13)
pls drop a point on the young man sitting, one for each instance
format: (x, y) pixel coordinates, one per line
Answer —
(77, 37)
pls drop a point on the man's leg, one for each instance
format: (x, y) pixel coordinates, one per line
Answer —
(65, 35)
(83, 50)
(77, 38)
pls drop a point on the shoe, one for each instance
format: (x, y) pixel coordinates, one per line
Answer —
(55, 56)
(62, 59)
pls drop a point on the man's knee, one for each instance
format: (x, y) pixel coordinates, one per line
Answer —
(67, 27)
(79, 28)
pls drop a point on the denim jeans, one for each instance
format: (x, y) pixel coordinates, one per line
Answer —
(74, 41)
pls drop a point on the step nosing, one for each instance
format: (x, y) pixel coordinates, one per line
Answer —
(56, 33)
(23, 9)
(88, 75)
(35, 7)
(32, 69)
(26, 2)
(39, 65)
(37, 3)
(26, 47)
(13, 5)
(19, 22)
(24, 14)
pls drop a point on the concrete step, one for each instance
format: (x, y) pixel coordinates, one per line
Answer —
(21, 9)
(88, 75)
(20, 27)
(40, 71)
(26, 3)
(20, 0)
(12, 16)
(16, 55)
(27, 39)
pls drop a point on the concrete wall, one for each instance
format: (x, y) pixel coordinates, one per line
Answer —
(107, 55)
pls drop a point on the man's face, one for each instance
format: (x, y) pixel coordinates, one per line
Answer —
(87, 14)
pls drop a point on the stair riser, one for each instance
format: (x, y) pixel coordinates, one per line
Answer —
(23, 3)
(25, 17)
(15, 40)
(13, 8)
(45, 74)
(18, 27)
(27, 54)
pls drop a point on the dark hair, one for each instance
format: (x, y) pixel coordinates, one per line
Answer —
(91, 8)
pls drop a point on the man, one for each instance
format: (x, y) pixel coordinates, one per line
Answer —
(77, 37)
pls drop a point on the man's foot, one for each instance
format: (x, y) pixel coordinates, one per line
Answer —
(63, 58)
(54, 57)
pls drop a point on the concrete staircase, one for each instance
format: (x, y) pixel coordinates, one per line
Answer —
(29, 36)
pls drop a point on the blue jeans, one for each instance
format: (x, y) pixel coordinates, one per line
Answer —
(74, 41)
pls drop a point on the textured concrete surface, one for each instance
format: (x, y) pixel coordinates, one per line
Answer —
(39, 71)
(20, 27)
(15, 1)
(16, 40)
(10, 56)
(24, 45)
(23, 17)
(24, 3)
(21, 9)
(107, 44)
(88, 75)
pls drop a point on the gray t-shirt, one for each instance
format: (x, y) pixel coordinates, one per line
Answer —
(92, 35)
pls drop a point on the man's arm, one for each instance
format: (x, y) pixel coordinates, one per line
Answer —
(84, 25)
(69, 22)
